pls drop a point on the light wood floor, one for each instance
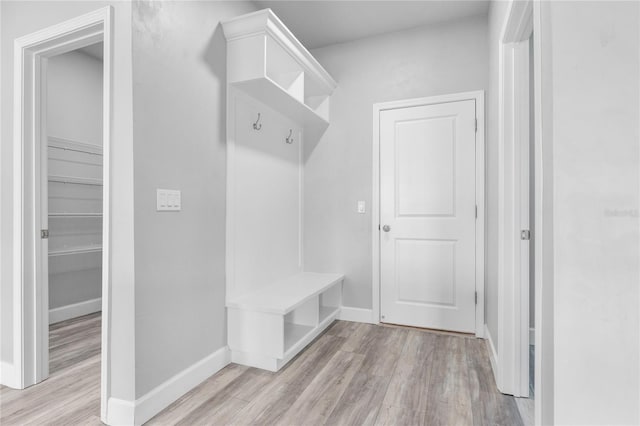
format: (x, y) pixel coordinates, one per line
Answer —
(353, 374)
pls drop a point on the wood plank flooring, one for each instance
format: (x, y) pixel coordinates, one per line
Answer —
(353, 374)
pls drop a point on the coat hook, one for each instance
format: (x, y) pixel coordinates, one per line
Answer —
(289, 139)
(257, 126)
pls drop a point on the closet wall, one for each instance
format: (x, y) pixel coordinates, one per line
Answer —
(74, 128)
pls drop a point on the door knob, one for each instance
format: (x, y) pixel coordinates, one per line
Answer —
(386, 228)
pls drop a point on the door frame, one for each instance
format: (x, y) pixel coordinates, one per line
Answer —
(30, 308)
(511, 360)
(478, 97)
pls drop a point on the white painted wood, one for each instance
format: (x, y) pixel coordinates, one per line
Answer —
(30, 312)
(67, 144)
(544, 252)
(348, 313)
(120, 412)
(163, 395)
(522, 207)
(268, 328)
(265, 202)
(265, 60)
(266, 23)
(283, 297)
(493, 354)
(276, 92)
(427, 198)
(64, 313)
(478, 97)
(512, 372)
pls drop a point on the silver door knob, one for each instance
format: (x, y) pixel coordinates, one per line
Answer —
(386, 228)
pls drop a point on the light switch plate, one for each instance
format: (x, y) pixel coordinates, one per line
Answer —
(361, 207)
(168, 200)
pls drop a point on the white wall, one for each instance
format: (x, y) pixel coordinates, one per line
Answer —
(595, 59)
(21, 18)
(425, 61)
(179, 71)
(74, 112)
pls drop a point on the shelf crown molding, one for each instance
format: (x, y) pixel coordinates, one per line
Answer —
(266, 22)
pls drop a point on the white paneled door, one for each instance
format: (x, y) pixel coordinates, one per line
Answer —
(428, 216)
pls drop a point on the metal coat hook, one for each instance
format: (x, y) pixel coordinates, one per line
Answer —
(257, 126)
(289, 139)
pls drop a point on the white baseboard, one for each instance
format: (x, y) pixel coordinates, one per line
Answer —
(75, 310)
(8, 376)
(493, 354)
(532, 336)
(356, 315)
(120, 412)
(163, 395)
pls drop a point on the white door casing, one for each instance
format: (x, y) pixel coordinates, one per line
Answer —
(428, 205)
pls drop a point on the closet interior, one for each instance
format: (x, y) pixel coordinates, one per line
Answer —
(74, 170)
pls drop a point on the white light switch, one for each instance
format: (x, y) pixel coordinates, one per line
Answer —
(361, 207)
(168, 200)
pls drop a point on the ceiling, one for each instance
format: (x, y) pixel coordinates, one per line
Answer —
(321, 23)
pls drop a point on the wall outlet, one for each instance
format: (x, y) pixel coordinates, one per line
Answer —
(168, 200)
(361, 207)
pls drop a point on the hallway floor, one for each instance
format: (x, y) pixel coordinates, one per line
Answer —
(352, 374)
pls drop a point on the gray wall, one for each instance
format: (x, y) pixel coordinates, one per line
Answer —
(420, 62)
(74, 112)
(179, 74)
(594, 49)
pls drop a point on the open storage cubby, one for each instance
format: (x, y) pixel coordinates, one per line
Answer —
(266, 61)
(277, 101)
(268, 327)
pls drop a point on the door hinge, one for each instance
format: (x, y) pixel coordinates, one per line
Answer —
(44, 233)
(476, 297)
(476, 125)
(378, 227)
(476, 211)
(525, 234)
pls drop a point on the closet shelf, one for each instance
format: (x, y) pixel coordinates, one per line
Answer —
(75, 214)
(76, 250)
(271, 93)
(75, 180)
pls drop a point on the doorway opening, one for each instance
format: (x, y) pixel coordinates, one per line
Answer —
(62, 105)
(72, 205)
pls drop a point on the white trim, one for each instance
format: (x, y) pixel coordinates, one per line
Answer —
(75, 310)
(513, 322)
(120, 412)
(266, 22)
(478, 97)
(356, 315)
(493, 355)
(164, 394)
(8, 375)
(30, 311)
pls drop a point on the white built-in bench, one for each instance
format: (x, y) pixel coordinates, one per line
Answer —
(269, 327)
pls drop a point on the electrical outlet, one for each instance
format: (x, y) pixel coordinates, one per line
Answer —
(361, 207)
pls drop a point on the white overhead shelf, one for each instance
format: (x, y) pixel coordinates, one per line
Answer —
(266, 61)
